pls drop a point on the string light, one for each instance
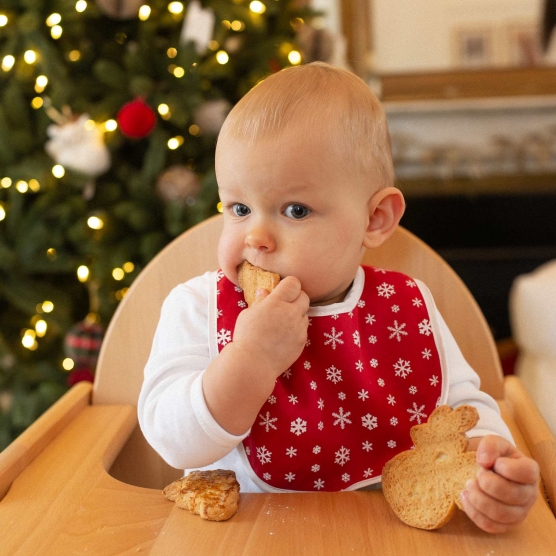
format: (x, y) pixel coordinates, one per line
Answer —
(2, 211)
(40, 328)
(53, 19)
(118, 274)
(34, 185)
(56, 32)
(40, 83)
(128, 267)
(237, 25)
(294, 57)
(222, 57)
(163, 109)
(257, 7)
(95, 223)
(58, 171)
(171, 52)
(74, 55)
(47, 306)
(175, 142)
(80, 6)
(111, 125)
(179, 72)
(120, 294)
(68, 364)
(6, 182)
(8, 62)
(3, 20)
(22, 186)
(37, 103)
(194, 130)
(175, 8)
(144, 12)
(51, 253)
(83, 273)
(28, 340)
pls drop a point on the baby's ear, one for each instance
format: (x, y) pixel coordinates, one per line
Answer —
(386, 208)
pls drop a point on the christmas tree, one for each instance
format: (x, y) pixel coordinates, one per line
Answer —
(109, 113)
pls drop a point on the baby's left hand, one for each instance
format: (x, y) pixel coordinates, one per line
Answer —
(505, 488)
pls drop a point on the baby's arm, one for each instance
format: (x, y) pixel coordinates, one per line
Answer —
(268, 338)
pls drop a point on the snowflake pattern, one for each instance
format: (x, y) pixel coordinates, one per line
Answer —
(345, 372)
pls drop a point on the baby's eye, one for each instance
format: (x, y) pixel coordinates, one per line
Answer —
(240, 210)
(296, 211)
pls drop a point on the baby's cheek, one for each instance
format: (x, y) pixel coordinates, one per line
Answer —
(229, 257)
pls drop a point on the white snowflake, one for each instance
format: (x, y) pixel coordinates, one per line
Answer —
(219, 313)
(335, 317)
(393, 421)
(321, 403)
(426, 353)
(224, 336)
(219, 275)
(342, 418)
(292, 399)
(308, 342)
(356, 338)
(372, 339)
(345, 477)
(241, 304)
(385, 290)
(217, 292)
(433, 380)
(417, 413)
(359, 365)
(307, 365)
(368, 473)
(334, 374)
(381, 270)
(395, 308)
(370, 319)
(320, 425)
(264, 455)
(290, 477)
(417, 302)
(342, 396)
(319, 484)
(350, 314)
(397, 331)
(381, 382)
(363, 395)
(272, 399)
(316, 449)
(291, 452)
(425, 327)
(315, 468)
(367, 446)
(402, 368)
(369, 421)
(411, 283)
(391, 444)
(333, 338)
(299, 426)
(268, 422)
(413, 389)
(248, 451)
(361, 303)
(342, 456)
(287, 373)
(267, 476)
(374, 363)
(391, 399)
(238, 289)
(313, 385)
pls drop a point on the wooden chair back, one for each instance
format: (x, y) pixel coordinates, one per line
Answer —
(127, 343)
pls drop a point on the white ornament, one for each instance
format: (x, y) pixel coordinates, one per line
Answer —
(198, 26)
(78, 146)
(211, 115)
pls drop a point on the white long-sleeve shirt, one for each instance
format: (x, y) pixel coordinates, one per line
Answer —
(173, 414)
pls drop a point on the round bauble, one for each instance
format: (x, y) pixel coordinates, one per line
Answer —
(136, 119)
(178, 184)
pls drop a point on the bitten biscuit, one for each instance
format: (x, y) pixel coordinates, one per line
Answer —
(213, 495)
(251, 278)
(423, 485)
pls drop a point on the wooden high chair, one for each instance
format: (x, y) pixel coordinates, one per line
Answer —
(82, 477)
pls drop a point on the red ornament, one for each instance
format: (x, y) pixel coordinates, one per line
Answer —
(136, 119)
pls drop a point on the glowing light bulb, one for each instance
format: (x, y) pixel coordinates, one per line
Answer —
(128, 267)
(53, 19)
(175, 142)
(2, 211)
(51, 253)
(222, 57)
(30, 56)
(34, 185)
(163, 109)
(58, 171)
(6, 182)
(111, 125)
(8, 62)
(40, 83)
(28, 340)
(47, 306)
(171, 53)
(179, 72)
(118, 274)
(80, 6)
(40, 328)
(175, 8)
(22, 186)
(144, 12)
(56, 32)
(257, 7)
(83, 273)
(237, 25)
(294, 57)
(194, 130)
(3, 20)
(74, 55)
(95, 223)
(37, 103)
(68, 364)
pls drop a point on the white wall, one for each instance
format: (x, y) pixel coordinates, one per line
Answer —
(419, 34)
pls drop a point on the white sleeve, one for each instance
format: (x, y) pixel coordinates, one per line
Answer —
(172, 411)
(463, 381)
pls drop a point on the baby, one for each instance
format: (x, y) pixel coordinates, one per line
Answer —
(317, 384)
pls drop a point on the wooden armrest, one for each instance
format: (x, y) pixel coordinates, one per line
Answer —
(535, 431)
(29, 444)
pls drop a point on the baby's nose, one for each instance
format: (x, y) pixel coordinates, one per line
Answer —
(260, 238)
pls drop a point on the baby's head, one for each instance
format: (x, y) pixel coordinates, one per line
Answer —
(305, 176)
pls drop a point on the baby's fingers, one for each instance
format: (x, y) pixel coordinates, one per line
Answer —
(507, 492)
(521, 470)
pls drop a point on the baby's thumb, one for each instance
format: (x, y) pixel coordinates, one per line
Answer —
(260, 294)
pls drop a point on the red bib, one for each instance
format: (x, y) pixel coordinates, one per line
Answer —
(346, 406)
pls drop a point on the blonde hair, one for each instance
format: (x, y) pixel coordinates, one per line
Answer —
(322, 94)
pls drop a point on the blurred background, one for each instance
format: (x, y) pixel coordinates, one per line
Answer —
(109, 113)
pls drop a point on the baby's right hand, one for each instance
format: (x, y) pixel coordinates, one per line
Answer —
(273, 331)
